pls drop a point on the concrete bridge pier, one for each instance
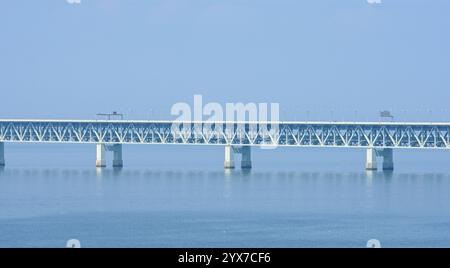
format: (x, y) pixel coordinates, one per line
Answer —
(388, 159)
(101, 155)
(246, 160)
(387, 155)
(371, 159)
(117, 155)
(246, 157)
(2, 154)
(229, 157)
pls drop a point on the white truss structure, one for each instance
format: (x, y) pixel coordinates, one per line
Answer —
(297, 134)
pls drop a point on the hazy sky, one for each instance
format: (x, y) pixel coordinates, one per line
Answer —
(331, 58)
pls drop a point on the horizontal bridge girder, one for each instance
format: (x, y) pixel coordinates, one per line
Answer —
(297, 134)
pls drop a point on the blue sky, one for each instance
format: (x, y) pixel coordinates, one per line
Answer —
(336, 59)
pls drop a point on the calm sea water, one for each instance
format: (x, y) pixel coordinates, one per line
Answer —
(180, 196)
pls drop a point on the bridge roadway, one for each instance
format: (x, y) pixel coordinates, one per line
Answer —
(378, 138)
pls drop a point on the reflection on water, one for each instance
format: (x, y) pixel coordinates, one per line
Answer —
(165, 207)
(367, 175)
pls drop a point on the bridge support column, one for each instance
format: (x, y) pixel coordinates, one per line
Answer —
(2, 154)
(101, 153)
(388, 159)
(117, 155)
(246, 160)
(371, 159)
(229, 157)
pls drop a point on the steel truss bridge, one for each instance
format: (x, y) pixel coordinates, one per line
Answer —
(378, 137)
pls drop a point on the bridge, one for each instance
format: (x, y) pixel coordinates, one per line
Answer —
(377, 138)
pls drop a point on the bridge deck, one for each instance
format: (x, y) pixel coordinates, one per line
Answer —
(299, 134)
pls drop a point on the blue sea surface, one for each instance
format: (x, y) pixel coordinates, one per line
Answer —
(180, 196)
